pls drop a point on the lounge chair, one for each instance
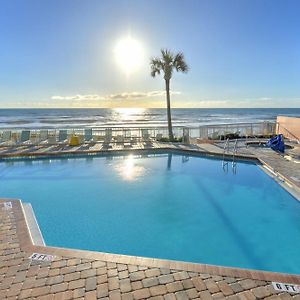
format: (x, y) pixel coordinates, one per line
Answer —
(24, 137)
(88, 135)
(107, 138)
(119, 139)
(43, 137)
(108, 135)
(159, 136)
(145, 135)
(6, 138)
(62, 136)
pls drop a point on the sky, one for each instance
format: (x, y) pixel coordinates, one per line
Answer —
(67, 53)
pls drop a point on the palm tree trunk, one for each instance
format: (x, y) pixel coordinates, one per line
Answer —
(171, 136)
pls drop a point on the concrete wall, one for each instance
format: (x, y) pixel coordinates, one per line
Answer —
(289, 126)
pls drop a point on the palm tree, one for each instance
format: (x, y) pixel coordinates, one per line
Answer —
(166, 64)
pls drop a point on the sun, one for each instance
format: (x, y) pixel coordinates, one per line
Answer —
(129, 54)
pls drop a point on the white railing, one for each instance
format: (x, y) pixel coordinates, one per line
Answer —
(210, 132)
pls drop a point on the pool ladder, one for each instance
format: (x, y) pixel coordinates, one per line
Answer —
(226, 150)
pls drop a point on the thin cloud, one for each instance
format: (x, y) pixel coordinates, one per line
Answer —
(119, 96)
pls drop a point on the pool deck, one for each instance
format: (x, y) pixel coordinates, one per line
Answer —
(76, 274)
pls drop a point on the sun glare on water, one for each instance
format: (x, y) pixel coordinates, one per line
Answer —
(129, 54)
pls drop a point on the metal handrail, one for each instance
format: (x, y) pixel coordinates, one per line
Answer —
(226, 147)
(234, 152)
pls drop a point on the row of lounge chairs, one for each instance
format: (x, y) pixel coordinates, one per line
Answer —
(27, 137)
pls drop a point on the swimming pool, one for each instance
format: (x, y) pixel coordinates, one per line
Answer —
(167, 205)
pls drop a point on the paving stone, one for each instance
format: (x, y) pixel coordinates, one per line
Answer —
(78, 293)
(20, 277)
(55, 280)
(98, 264)
(181, 275)
(136, 285)
(111, 265)
(187, 284)
(127, 296)
(67, 270)
(88, 273)
(114, 295)
(158, 290)
(102, 279)
(141, 294)
(174, 286)
(82, 267)
(170, 296)
(121, 267)
(205, 295)
(211, 286)
(163, 279)
(152, 272)
(164, 271)
(112, 272)
(125, 285)
(14, 289)
(199, 284)
(61, 287)
(90, 284)
(218, 296)
(92, 295)
(25, 294)
(236, 287)
(76, 284)
(73, 262)
(148, 282)
(113, 283)
(132, 268)
(72, 276)
(261, 292)
(192, 293)
(123, 274)
(232, 297)
(287, 296)
(102, 290)
(101, 271)
(137, 276)
(225, 288)
(246, 295)
(247, 284)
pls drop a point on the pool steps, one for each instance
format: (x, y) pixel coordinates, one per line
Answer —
(33, 227)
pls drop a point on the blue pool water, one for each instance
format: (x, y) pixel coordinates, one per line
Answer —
(167, 206)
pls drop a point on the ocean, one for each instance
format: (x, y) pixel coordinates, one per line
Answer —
(136, 117)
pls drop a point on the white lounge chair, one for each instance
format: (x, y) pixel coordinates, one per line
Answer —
(108, 135)
(159, 136)
(119, 139)
(24, 137)
(145, 135)
(62, 136)
(43, 137)
(6, 138)
(88, 135)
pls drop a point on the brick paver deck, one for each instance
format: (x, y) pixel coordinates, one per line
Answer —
(75, 274)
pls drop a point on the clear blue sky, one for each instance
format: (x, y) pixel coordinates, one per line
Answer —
(60, 53)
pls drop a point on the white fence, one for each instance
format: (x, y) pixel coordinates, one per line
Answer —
(206, 132)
